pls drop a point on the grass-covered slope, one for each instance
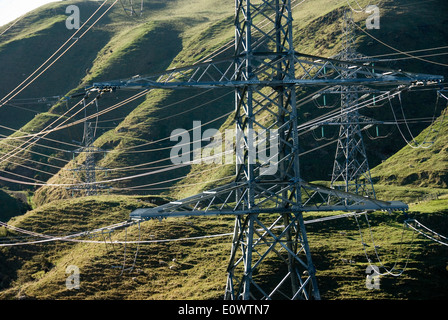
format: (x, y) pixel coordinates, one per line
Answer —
(13, 204)
(169, 266)
(176, 33)
(318, 30)
(423, 162)
(128, 47)
(173, 34)
(38, 271)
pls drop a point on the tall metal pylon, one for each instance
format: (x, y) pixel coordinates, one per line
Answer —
(351, 170)
(88, 183)
(280, 102)
(268, 196)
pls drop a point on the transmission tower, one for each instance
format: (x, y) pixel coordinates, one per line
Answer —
(87, 171)
(351, 168)
(130, 7)
(268, 197)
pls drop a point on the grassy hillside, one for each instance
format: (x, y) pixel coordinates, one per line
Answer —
(195, 269)
(421, 163)
(13, 204)
(170, 35)
(132, 46)
(136, 137)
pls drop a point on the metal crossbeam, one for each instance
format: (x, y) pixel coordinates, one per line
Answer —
(221, 201)
(309, 71)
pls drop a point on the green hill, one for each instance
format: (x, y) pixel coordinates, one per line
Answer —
(423, 162)
(194, 269)
(121, 47)
(136, 134)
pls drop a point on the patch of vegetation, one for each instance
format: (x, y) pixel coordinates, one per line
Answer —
(196, 269)
(13, 204)
(177, 33)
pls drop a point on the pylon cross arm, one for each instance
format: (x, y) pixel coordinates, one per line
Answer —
(310, 71)
(221, 201)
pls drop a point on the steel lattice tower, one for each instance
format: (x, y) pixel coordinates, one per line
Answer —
(351, 171)
(268, 196)
(89, 182)
(275, 60)
(90, 186)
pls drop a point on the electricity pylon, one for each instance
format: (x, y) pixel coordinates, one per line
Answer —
(351, 168)
(268, 197)
(89, 184)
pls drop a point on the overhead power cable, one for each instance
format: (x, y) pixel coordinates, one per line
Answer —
(40, 183)
(420, 56)
(333, 117)
(410, 51)
(129, 167)
(72, 237)
(25, 84)
(388, 271)
(12, 24)
(31, 141)
(78, 39)
(2, 142)
(424, 144)
(47, 131)
(428, 233)
(399, 51)
(24, 134)
(50, 61)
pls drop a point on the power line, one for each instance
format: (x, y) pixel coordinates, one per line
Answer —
(28, 134)
(125, 224)
(32, 141)
(388, 271)
(253, 191)
(41, 183)
(399, 51)
(428, 233)
(12, 25)
(410, 51)
(424, 144)
(33, 152)
(6, 99)
(25, 83)
(129, 167)
(47, 131)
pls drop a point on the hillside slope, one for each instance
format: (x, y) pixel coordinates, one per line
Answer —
(158, 41)
(422, 162)
(129, 47)
(178, 260)
(135, 136)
